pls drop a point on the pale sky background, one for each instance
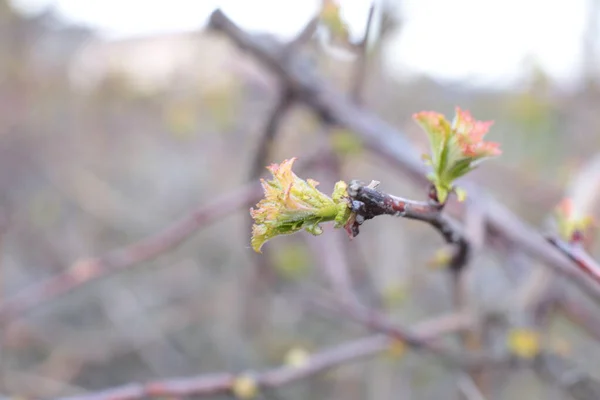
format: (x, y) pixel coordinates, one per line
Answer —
(480, 41)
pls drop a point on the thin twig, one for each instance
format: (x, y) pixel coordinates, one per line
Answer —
(88, 270)
(580, 257)
(375, 321)
(362, 61)
(469, 388)
(213, 384)
(581, 314)
(583, 193)
(568, 376)
(262, 271)
(573, 308)
(304, 35)
(475, 338)
(329, 250)
(266, 141)
(500, 221)
(4, 225)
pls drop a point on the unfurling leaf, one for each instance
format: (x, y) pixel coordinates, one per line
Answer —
(456, 148)
(291, 204)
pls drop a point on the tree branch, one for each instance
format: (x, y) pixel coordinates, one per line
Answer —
(304, 35)
(265, 142)
(389, 143)
(362, 62)
(368, 202)
(217, 383)
(87, 270)
(579, 256)
(568, 376)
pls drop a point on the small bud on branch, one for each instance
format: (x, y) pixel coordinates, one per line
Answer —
(571, 224)
(292, 204)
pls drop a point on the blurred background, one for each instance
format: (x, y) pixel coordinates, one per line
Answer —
(119, 117)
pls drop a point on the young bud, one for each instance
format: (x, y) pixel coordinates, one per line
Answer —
(292, 204)
(572, 226)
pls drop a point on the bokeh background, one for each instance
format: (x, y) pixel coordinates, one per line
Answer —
(119, 117)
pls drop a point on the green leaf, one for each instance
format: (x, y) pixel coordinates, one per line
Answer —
(437, 129)
(458, 169)
(442, 158)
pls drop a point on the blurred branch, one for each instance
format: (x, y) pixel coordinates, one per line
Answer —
(330, 251)
(4, 225)
(265, 143)
(333, 254)
(569, 377)
(542, 293)
(542, 289)
(86, 270)
(584, 195)
(391, 145)
(262, 268)
(304, 35)
(551, 367)
(213, 384)
(362, 61)
(469, 388)
(579, 256)
(580, 314)
(420, 340)
(584, 190)
(475, 384)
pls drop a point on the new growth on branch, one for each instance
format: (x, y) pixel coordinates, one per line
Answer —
(291, 204)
